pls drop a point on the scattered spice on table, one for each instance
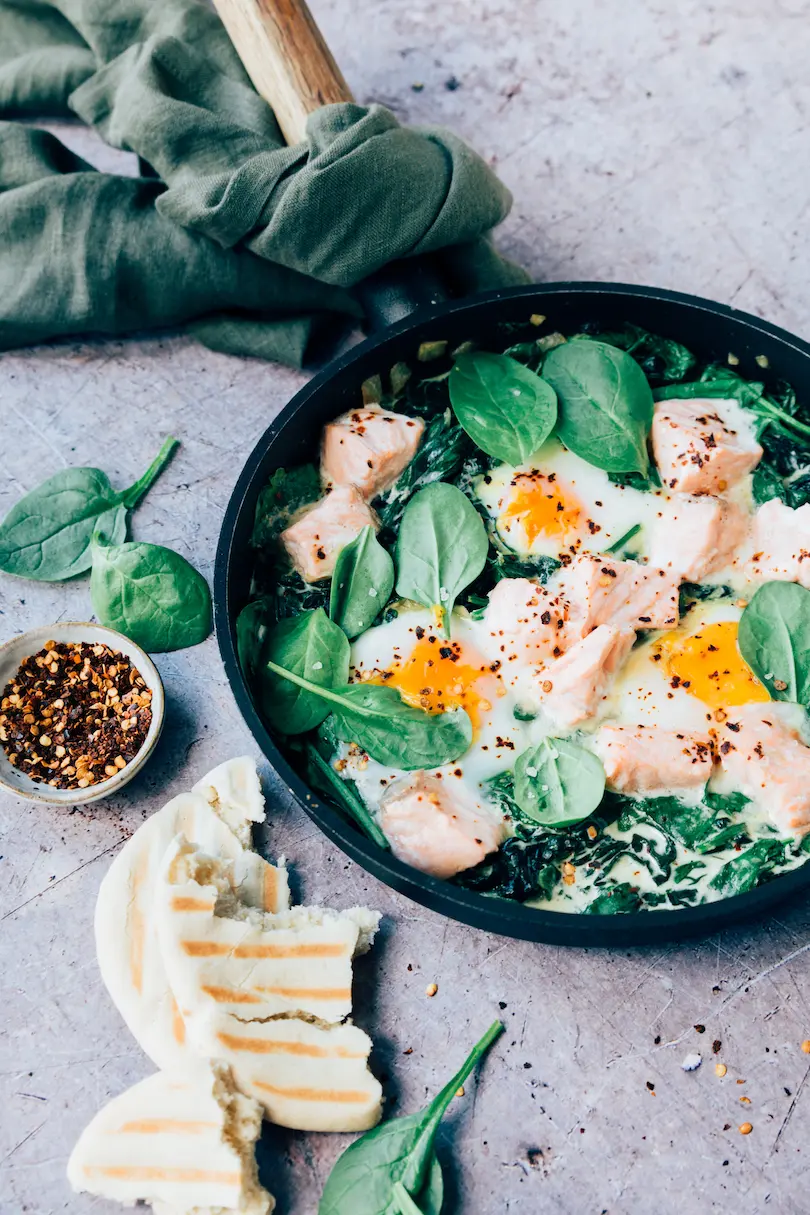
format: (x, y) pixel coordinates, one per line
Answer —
(806, 1046)
(74, 714)
(746, 1128)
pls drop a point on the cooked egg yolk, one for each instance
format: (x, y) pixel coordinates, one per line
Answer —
(441, 675)
(542, 506)
(709, 665)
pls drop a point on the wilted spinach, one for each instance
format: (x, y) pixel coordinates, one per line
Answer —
(605, 405)
(774, 639)
(618, 899)
(441, 548)
(662, 360)
(751, 867)
(287, 491)
(323, 777)
(439, 457)
(361, 584)
(507, 410)
(150, 594)
(48, 534)
(398, 1156)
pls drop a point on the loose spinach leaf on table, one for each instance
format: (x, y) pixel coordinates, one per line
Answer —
(310, 646)
(558, 783)
(392, 732)
(441, 548)
(150, 594)
(361, 584)
(605, 405)
(368, 1179)
(48, 534)
(507, 410)
(774, 639)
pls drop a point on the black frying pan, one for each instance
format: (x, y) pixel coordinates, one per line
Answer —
(712, 331)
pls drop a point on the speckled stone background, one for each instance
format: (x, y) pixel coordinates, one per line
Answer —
(649, 142)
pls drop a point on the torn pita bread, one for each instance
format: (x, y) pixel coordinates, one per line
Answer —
(183, 1142)
(220, 955)
(308, 1075)
(126, 937)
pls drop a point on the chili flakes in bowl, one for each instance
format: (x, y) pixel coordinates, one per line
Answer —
(74, 714)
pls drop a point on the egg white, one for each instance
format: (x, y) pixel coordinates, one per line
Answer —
(497, 740)
(608, 511)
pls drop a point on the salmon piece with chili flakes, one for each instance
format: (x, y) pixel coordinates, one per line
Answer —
(697, 535)
(526, 621)
(762, 755)
(781, 544)
(368, 448)
(641, 759)
(436, 827)
(572, 688)
(703, 445)
(314, 541)
(601, 590)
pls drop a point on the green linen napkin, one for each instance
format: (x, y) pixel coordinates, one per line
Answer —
(249, 242)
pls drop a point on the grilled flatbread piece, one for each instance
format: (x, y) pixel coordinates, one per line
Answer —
(183, 1141)
(308, 1075)
(221, 955)
(126, 938)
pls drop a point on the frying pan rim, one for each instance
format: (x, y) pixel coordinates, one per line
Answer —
(490, 913)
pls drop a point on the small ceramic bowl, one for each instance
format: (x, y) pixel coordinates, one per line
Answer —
(12, 655)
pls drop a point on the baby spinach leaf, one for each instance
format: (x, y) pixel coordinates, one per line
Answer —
(505, 408)
(774, 639)
(399, 1153)
(392, 732)
(361, 584)
(558, 783)
(398, 734)
(323, 777)
(441, 548)
(605, 405)
(252, 625)
(150, 594)
(311, 646)
(48, 534)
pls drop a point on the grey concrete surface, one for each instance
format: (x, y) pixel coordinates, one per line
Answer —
(646, 142)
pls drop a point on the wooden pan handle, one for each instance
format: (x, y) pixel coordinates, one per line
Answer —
(286, 57)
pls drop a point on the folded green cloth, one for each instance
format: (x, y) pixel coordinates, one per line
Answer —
(246, 240)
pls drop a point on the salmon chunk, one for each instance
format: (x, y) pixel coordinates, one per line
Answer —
(696, 535)
(703, 445)
(762, 755)
(624, 594)
(641, 759)
(314, 541)
(573, 687)
(368, 448)
(526, 622)
(433, 826)
(781, 544)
